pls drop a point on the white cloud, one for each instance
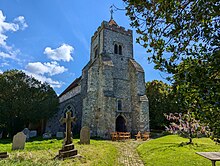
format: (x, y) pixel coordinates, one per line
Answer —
(18, 24)
(1, 71)
(61, 53)
(5, 26)
(4, 64)
(53, 83)
(38, 71)
(21, 22)
(7, 55)
(51, 69)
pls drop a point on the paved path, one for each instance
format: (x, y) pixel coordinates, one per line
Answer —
(128, 153)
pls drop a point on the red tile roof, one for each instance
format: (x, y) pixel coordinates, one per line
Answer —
(112, 22)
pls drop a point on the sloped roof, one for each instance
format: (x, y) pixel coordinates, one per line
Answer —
(74, 84)
(112, 22)
(136, 65)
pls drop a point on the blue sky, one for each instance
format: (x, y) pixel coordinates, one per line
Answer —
(50, 39)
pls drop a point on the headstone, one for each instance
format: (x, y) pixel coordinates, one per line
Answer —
(47, 135)
(18, 141)
(59, 134)
(33, 133)
(85, 135)
(26, 131)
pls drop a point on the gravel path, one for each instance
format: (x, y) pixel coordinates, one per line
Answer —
(128, 153)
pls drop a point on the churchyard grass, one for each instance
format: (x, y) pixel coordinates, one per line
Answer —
(168, 151)
(42, 152)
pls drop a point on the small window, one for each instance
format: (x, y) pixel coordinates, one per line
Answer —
(120, 50)
(116, 49)
(119, 105)
(96, 52)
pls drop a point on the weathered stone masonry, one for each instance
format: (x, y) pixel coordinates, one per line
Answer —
(110, 94)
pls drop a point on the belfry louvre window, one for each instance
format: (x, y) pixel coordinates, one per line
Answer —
(119, 105)
(120, 50)
(116, 49)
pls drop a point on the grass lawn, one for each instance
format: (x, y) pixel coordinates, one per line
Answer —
(41, 152)
(167, 151)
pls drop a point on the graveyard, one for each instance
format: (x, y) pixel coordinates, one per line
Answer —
(166, 150)
(42, 152)
(28, 149)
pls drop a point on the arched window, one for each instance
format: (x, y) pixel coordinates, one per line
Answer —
(116, 49)
(120, 50)
(119, 105)
(69, 108)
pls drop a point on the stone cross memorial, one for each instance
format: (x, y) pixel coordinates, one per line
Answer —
(68, 120)
(18, 141)
(68, 148)
(85, 135)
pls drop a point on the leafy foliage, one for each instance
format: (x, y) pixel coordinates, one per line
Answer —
(184, 39)
(185, 124)
(24, 100)
(161, 100)
(176, 30)
(201, 95)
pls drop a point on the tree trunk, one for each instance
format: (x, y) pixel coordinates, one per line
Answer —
(190, 133)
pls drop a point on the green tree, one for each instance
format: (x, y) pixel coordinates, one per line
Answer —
(24, 100)
(201, 95)
(184, 38)
(161, 100)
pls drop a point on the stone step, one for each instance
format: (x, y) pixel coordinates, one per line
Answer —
(68, 147)
(69, 153)
(3, 155)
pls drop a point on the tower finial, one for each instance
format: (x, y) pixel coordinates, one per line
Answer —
(111, 11)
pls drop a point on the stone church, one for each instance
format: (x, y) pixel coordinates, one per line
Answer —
(110, 94)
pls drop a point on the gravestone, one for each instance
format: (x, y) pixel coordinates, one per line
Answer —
(47, 135)
(68, 148)
(59, 134)
(33, 133)
(18, 141)
(26, 131)
(85, 135)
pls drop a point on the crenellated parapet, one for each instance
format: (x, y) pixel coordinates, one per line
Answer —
(112, 27)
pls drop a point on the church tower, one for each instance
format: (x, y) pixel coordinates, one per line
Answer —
(110, 94)
(114, 93)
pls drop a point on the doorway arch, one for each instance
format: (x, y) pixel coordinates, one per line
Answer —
(121, 124)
